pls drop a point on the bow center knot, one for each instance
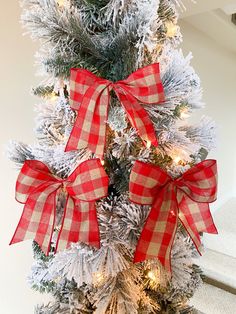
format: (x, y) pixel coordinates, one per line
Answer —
(178, 183)
(63, 186)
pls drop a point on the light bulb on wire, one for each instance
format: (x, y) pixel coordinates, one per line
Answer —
(149, 144)
(184, 113)
(171, 29)
(179, 156)
(151, 275)
(98, 279)
(176, 160)
(61, 3)
(53, 96)
(153, 278)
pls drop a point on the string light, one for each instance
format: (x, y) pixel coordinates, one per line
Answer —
(171, 29)
(151, 275)
(102, 162)
(149, 143)
(53, 96)
(61, 3)
(179, 156)
(153, 278)
(184, 113)
(57, 280)
(98, 279)
(176, 160)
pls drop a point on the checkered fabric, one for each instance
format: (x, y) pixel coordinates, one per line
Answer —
(90, 96)
(186, 198)
(38, 189)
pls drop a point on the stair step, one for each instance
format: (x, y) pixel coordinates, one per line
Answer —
(225, 241)
(211, 300)
(220, 269)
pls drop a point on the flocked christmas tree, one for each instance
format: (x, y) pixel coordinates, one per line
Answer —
(112, 39)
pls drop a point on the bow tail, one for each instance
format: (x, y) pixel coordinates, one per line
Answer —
(73, 141)
(159, 231)
(89, 130)
(196, 218)
(138, 118)
(38, 218)
(79, 224)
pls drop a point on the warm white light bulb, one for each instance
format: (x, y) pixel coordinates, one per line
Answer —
(61, 3)
(177, 159)
(184, 113)
(98, 279)
(151, 275)
(102, 162)
(171, 29)
(57, 279)
(149, 143)
(53, 96)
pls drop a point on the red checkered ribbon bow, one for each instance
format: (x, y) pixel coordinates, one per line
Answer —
(38, 189)
(90, 96)
(186, 198)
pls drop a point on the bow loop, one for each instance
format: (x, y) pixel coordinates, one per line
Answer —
(146, 181)
(33, 174)
(144, 84)
(200, 182)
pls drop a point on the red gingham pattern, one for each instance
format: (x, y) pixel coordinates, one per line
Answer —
(90, 96)
(186, 198)
(38, 189)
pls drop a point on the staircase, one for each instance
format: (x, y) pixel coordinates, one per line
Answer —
(212, 300)
(218, 295)
(220, 270)
(225, 220)
(219, 260)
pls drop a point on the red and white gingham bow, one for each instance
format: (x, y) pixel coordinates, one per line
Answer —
(38, 189)
(186, 198)
(90, 96)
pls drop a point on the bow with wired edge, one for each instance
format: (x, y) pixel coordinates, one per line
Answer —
(39, 189)
(90, 96)
(186, 198)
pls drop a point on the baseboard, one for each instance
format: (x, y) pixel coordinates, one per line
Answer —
(219, 285)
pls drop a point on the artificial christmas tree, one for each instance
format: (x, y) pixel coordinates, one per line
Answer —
(117, 188)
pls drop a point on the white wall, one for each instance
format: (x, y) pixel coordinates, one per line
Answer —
(217, 69)
(17, 77)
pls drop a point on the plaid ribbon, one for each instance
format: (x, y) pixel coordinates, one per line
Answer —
(38, 189)
(90, 96)
(186, 198)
